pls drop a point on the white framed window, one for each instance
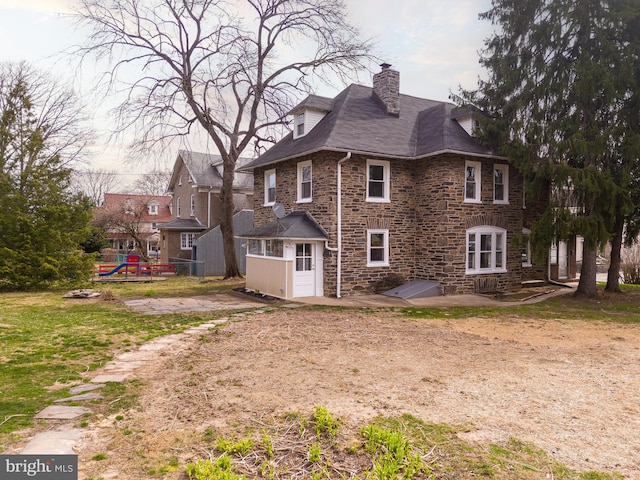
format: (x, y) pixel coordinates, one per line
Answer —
(305, 176)
(378, 181)
(153, 208)
(180, 180)
(186, 240)
(300, 125)
(255, 247)
(274, 248)
(178, 208)
(193, 205)
(526, 247)
(472, 182)
(486, 250)
(501, 184)
(269, 187)
(377, 248)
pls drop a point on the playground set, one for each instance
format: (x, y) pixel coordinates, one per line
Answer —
(133, 270)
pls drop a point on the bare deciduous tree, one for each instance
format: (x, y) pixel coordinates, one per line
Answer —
(95, 183)
(155, 182)
(230, 68)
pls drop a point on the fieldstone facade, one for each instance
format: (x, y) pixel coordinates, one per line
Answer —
(427, 219)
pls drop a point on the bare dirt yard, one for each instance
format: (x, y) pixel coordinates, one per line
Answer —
(571, 388)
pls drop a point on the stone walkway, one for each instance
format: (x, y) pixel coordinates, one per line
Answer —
(64, 436)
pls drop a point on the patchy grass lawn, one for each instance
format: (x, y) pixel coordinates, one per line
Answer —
(47, 342)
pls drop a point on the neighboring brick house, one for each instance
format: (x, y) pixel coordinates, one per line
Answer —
(373, 186)
(131, 222)
(195, 187)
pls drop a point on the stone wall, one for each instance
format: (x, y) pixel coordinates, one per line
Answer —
(427, 220)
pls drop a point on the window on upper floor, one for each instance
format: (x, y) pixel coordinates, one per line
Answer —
(472, 182)
(269, 187)
(180, 180)
(377, 248)
(501, 184)
(486, 250)
(304, 181)
(153, 208)
(178, 209)
(378, 181)
(193, 205)
(300, 125)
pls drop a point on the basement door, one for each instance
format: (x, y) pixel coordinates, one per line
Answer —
(304, 279)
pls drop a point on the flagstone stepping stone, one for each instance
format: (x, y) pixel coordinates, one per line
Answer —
(59, 442)
(109, 378)
(86, 387)
(60, 412)
(83, 397)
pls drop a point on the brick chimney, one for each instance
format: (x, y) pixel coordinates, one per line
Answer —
(386, 86)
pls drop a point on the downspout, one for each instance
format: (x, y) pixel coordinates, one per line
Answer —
(339, 224)
(209, 209)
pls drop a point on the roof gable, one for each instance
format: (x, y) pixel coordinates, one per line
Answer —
(300, 225)
(206, 170)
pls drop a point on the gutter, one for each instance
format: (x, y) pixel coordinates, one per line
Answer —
(339, 224)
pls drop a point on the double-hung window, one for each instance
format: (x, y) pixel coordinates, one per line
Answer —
(378, 181)
(501, 184)
(486, 250)
(377, 248)
(305, 176)
(472, 182)
(186, 240)
(178, 209)
(193, 205)
(300, 125)
(269, 187)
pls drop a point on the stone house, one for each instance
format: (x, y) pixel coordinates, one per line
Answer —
(374, 187)
(196, 207)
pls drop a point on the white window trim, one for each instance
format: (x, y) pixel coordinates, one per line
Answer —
(178, 207)
(300, 127)
(184, 242)
(527, 233)
(477, 197)
(486, 230)
(385, 261)
(301, 167)
(505, 184)
(267, 173)
(192, 207)
(386, 198)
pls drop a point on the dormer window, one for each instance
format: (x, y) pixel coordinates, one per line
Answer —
(300, 124)
(153, 208)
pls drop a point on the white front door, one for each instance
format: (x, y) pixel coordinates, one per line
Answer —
(304, 284)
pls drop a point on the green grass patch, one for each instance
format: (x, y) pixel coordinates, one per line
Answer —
(403, 447)
(621, 307)
(48, 343)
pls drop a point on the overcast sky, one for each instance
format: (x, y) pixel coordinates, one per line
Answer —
(434, 44)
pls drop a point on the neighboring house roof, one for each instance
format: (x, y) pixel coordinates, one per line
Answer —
(119, 200)
(357, 122)
(299, 225)
(183, 224)
(205, 170)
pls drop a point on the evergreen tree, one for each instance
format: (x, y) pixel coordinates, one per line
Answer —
(41, 223)
(558, 81)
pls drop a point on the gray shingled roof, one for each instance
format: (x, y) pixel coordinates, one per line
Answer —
(300, 225)
(206, 170)
(182, 224)
(357, 122)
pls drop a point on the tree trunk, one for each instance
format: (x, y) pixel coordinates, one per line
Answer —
(232, 269)
(615, 261)
(587, 285)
